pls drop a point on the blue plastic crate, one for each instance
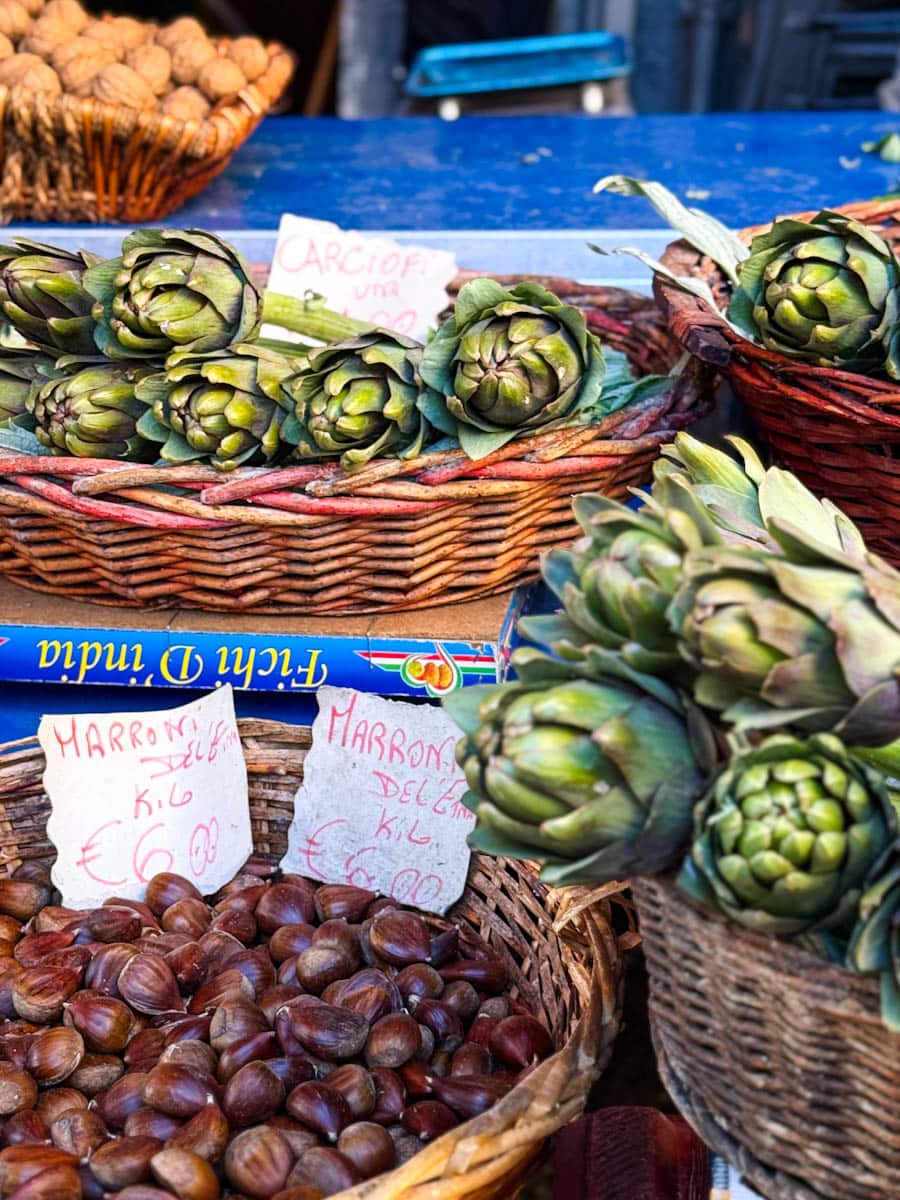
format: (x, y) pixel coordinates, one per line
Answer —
(518, 63)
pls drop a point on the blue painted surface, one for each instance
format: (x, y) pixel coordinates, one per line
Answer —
(423, 173)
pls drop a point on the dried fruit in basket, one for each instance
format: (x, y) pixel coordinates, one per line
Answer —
(787, 835)
(228, 406)
(507, 361)
(91, 411)
(42, 295)
(809, 638)
(359, 399)
(875, 944)
(172, 290)
(826, 291)
(595, 771)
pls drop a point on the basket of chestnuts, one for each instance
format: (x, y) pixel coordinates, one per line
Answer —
(107, 118)
(286, 1039)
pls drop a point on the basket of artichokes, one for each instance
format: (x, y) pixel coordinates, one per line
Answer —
(803, 318)
(714, 712)
(157, 449)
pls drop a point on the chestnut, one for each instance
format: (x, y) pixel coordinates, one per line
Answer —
(124, 1161)
(252, 1095)
(166, 888)
(368, 1146)
(258, 1161)
(319, 1107)
(17, 1090)
(186, 1175)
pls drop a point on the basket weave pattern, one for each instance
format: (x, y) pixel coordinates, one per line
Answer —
(779, 1060)
(310, 539)
(74, 159)
(565, 961)
(838, 431)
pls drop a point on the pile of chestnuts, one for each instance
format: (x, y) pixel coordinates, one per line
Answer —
(284, 1041)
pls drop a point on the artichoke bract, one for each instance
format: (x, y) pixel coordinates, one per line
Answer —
(809, 638)
(875, 944)
(172, 290)
(91, 411)
(19, 372)
(358, 399)
(616, 583)
(826, 291)
(787, 835)
(44, 298)
(509, 361)
(227, 406)
(594, 771)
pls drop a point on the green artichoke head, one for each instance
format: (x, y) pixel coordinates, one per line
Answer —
(509, 361)
(826, 291)
(593, 771)
(787, 834)
(20, 373)
(809, 638)
(172, 290)
(358, 399)
(91, 410)
(875, 944)
(227, 406)
(43, 296)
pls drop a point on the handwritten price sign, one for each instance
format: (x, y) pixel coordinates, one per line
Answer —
(133, 794)
(400, 287)
(380, 806)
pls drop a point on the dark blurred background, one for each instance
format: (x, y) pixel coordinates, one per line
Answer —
(688, 55)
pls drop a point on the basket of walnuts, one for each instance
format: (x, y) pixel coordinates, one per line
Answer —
(107, 118)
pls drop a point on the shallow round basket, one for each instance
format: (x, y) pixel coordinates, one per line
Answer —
(564, 958)
(838, 431)
(74, 159)
(395, 534)
(778, 1059)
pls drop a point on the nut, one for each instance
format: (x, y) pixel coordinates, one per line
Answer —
(39, 993)
(185, 1174)
(106, 1024)
(118, 84)
(220, 77)
(252, 1095)
(56, 1183)
(18, 1164)
(284, 904)
(146, 981)
(189, 56)
(15, 23)
(44, 36)
(258, 1161)
(153, 64)
(177, 1090)
(69, 12)
(180, 31)
(332, 900)
(188, 915)
(125, 1096)
(147, 1122)
(368, 1146)
(79, 1131)
(324, 1169)
(58, 1100)
(96, 1072)
(320, 1108)
(400, 937)
(22, 898)
(25, 1128)
(124, 1161)
(54, 1054)
(206, 1134)
(252, 57)
(17, 1090)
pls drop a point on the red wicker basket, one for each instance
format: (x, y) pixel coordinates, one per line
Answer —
(839, 432)
(313, 539)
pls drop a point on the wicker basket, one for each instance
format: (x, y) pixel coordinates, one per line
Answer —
(838, 431)
(75, 159)
(313, 539)
(779, 1060)
(565, 961)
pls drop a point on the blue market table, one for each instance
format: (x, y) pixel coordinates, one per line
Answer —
(505, 195)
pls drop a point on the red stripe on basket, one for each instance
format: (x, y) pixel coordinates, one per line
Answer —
(103, 510)
(253, 485)
(349, 506)
(583, 465)
(50, 464)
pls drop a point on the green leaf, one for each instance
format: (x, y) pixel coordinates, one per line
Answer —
(703, 231)
(478, 443)
(433, 407)
(21, 441)
(886, 147)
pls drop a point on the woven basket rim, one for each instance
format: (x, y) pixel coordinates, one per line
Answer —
(218, 134)
(707, 334)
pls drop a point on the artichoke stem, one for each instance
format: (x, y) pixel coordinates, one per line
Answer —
(310, 320)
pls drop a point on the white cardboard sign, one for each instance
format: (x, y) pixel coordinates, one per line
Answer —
(400, 287)
(379, 806)
(133, 794)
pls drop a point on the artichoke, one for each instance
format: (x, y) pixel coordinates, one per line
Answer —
(594, 771)
(507, 362)
(825, 291)
(19, 373)
(809, 638)
(91, 411)
(227, 406)
(616, 584)
(359, 399)
(875, 944)
(172, 290)
(42, 295)
(787, 834)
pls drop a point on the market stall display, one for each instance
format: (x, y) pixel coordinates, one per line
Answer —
(715, 713)
(236, 989)
(397, 475)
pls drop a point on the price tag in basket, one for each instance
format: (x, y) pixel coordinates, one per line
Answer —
(136, 793)
(375, 279)
(380, 804)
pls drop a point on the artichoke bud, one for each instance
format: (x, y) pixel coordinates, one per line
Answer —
(92, 411)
